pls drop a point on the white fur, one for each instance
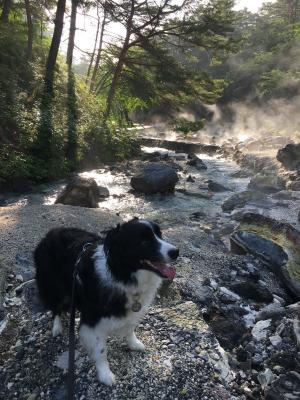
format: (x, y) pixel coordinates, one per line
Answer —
(94, 339)
(57, 326)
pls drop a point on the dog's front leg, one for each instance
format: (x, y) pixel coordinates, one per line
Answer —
(94, 340)
(133, 342)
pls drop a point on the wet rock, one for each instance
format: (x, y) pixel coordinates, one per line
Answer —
(195, 161)
(276, 243)
(239, 200)
(286, 387)
(195, 193)
(216, 187)
(190, 179)
(155, 178)
(266, 183)
(82, 192)
(252, 290)
(154, 156)
(289, 156)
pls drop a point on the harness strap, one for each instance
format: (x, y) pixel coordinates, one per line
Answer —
(71, 367)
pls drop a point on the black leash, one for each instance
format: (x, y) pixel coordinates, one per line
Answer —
(71, 369)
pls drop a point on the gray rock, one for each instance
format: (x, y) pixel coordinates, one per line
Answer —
(216, 187)
(260, 329)
(266, 183)
(289, 156)
(155, 178)
(239, 200)
(252, 290)
(195, 161)
(287, 386)
(82, 192)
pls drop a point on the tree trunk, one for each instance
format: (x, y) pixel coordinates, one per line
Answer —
(29, 30)
(43, 148)
(120, 64)
(97, 62)
(6, 10)
(72, 33)
(55, 43)
(116, 77)
(71, 149)
(94, 50)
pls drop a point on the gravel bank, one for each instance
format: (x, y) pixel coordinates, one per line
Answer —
(183, 359)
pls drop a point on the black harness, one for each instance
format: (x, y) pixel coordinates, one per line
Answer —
(71, 369)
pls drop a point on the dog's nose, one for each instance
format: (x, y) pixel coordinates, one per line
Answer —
(174, 253)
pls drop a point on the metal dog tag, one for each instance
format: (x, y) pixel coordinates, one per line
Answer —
(136, 306)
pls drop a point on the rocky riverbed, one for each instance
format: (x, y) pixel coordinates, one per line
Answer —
(226, 328)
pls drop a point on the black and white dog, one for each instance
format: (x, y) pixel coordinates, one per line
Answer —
(116, 281)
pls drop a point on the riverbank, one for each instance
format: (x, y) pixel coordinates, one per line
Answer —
(198, 327)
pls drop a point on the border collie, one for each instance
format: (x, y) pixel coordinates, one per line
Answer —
(115, 284)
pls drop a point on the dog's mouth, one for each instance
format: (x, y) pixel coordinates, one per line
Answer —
(165, 270)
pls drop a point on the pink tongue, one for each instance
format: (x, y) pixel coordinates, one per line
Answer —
(166, 270)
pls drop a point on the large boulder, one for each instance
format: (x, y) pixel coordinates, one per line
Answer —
(155, 178)
(266, 183)
(276, 243)
(82, 192)
(289, 156)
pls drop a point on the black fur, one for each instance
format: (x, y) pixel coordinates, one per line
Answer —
(124, 247)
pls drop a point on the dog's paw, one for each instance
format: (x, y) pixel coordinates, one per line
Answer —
(136, 345)
(106, 377)
(57, 326)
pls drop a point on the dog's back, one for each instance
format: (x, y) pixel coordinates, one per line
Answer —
(55, 258)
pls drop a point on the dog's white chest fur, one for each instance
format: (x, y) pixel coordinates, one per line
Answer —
(142, 293)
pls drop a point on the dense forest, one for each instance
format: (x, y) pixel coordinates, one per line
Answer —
(57, 116)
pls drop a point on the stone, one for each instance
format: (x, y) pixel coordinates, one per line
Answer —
(260, 329)
(190, 179)
(266, 183)
(276, 243)
(195, 161)
(216, 187)
(289, 156)
(265, 378)
(287, 386)
(82, 192)
(275, 340)
(227, 296)
(272, 310)
(195, 193)
(252, 290)
(155, 178)
(239, 200)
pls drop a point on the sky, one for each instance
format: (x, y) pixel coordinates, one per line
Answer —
(86, 28)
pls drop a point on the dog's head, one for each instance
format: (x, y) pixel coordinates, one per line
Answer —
(137, 245)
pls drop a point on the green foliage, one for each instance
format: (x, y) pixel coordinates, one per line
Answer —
(267, 65)
(185, 127)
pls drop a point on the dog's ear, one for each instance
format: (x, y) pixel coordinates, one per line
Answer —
(111, 237)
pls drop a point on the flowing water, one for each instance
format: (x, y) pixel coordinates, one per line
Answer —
(173, 207)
